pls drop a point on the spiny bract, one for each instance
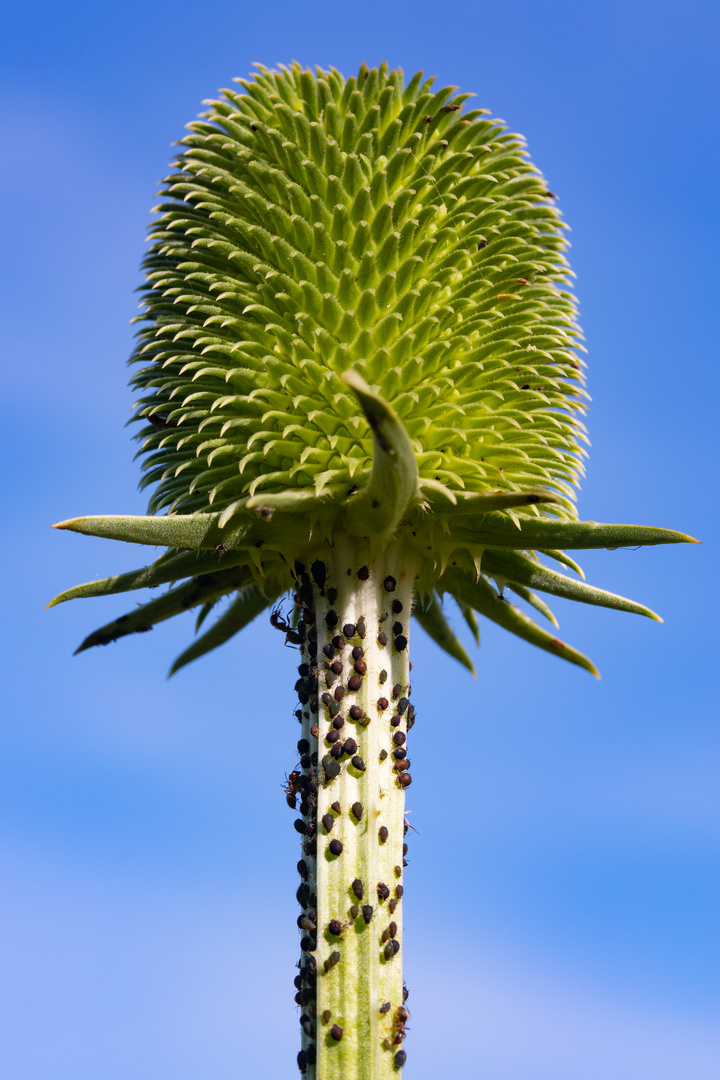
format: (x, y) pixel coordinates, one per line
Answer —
(357, 318)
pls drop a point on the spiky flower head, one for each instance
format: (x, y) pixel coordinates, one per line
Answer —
(357, 319)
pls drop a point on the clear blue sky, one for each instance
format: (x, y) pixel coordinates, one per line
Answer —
(563, 887)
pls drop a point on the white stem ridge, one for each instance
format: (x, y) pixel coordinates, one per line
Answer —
(355, 712)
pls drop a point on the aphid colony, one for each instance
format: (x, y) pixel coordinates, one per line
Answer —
(335, 733)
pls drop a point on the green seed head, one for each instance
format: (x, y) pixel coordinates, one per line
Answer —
(357, 322)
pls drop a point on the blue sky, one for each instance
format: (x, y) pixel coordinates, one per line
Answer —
(563, 886)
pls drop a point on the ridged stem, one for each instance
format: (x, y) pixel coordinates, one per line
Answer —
(355, 713)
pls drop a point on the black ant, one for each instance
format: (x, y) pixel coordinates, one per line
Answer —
(402, 1015)
(292, 789)
(278, 620)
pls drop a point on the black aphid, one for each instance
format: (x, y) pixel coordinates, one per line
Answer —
(339, 693)
(392, 904)
(400, 753)
(350, 746)
(382, 703)
(355, 712)
(332, 769)
(382, 638)
(400, 1059)
(336, 807)
(354, 911)
(358, 652)
(349, 630)
(392, 929)
(388, 951)
(333, 735)
(402, 705)
(360, 667)
(326, 1014)
(404, 779)
(302, 869)
(326, 698)
(328, 821)
(300, 826)
(335, 847)
(382, 891)
(360, 628)
(383, 755)
(395, 720)
(329, 651)
(399, 738)
(396, 691)
(303, 746)
(400, 642)
(390, 583)
(319, 572)
(302, 1061)
(385, 1007)
(311, 1055)
(363, 573)
(383, 834)
(336, 1031)
(335, 927)
(367, 913)
(336, 750)
(358, 888)
(332, 595)
(338, 642)
(397, 628)
(331, 619)
(331, 960)
(399, 891)
(357, 809)
(336, 667)
(358, 763)
(355, 682)
(397, 606)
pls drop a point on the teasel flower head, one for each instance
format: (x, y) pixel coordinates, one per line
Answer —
(358, 321)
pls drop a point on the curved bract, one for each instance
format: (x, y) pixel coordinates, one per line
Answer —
(357, 321)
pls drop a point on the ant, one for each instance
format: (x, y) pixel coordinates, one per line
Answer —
(402, 1015)
(292, 789)
(278, 620)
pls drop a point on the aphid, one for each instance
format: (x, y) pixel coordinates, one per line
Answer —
(336, 807)
(404, 779)
(367, 913)
(390, 583)
(300, 826)
(336, 750)
(332, 595)
(383, 755)
(329, 651)
(357, 809)
(335, 927)
(219, 549)
(385, 1007)
(397, 607)
(382, 703)
(354, 911)
(398, 871)
(302, 1062)
(350, 746)
(303, 746)
(382, 677)
(326, 698)
(314, 731)
(319, 573)
(400, 1059)
(338, 722)
(326, 1014)
(403, 705)
(333, 735)
(400, 753)
(382, 638)
(304, 922)
(360, 628)
(406, 992)
(358, 763)
(303, 870)
(311, 1055)
(360, 667)
(355, 712)
(358, 652)
(307, 944)
(392, 904)
(308, 1029)
(332, 769)
(397, 628)
(338, 642)
(399, 738)
(328, 821)
(331, 619)
(383, 834)
(400, 766)
(363, 573)
(382, 891)
(400, 642)
(336, 1031)
(331, 960)
(339, 693)
(389, 951)
(349, 630)
(358, 888)
(355, 682)
(396, 691)
(335, 847)
(450, 108)
(395, 720)
(336, 667)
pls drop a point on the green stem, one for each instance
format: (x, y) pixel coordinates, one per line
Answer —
(355, 620)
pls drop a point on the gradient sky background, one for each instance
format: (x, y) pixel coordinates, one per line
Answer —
(563, 889)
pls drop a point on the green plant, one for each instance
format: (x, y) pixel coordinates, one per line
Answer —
(360, 380)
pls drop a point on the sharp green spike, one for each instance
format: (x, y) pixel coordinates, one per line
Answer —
(484, 599)
(476, 503)
(429, 613)
(495, 530)
(250, 603)
(534, 600)
(378, 508)
(187, 531)
(173, 602)
(520, 570)
(469, 616)
(563, 558)
(160, 572)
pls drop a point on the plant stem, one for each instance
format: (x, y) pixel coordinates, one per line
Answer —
(355, 617)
